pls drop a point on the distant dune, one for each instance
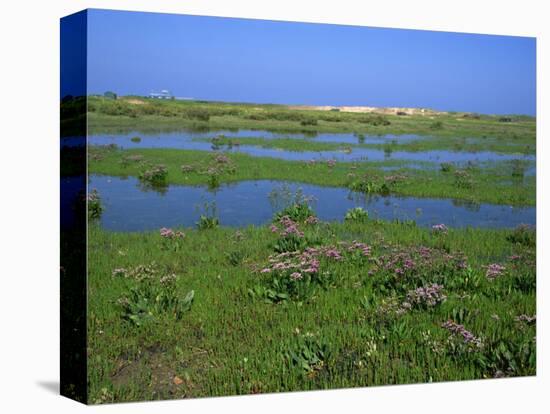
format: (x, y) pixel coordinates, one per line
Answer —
(371, 109)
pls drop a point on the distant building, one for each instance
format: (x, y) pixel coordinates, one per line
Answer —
(164, 94)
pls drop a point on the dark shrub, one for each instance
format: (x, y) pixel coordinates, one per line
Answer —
(308, 121)
(374, 120)
(199, 114)
(436, 125)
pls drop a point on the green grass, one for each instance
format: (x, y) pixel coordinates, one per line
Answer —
(493, 184)
(287, 144)
(343, 335)
(419, 145)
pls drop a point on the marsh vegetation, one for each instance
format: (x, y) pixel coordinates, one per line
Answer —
(239, 249)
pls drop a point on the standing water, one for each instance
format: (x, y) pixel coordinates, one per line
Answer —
(131, 207)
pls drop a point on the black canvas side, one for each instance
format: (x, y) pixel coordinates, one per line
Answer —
(73, 281)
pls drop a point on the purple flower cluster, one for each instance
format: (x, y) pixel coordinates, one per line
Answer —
(296, 275)
(287, 227)
(430, 296)
(133, 158)
(293, 264)
(356, 246)
(400, 263)
(213, 171)
(459, 331)
(440, 228)
(333, 253)
(155, 173)
(420, 260)
(296, 264)
(171, 234)
(494, 270)
(187, 168)
(425, 252)
(330, 252)
(331, 163)
(138, 273)
(395, 178)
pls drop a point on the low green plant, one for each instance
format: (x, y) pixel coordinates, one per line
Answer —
(357, 214)
(213, 175)
(308, 353)
(524, 281)
(278, 289)
(155, 175)
(149, 298)
(369, 187)
(235, 257)
(266, 294)
(463, 179)
(467, 280)
(289, 243)
(299, 212)
(208, 220)
(524, 234)
(508, 358)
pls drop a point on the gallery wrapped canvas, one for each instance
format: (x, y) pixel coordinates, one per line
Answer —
(254, 206)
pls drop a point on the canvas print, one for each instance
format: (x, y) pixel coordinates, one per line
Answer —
(253, 206)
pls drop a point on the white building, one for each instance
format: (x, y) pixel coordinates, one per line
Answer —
(164, 94)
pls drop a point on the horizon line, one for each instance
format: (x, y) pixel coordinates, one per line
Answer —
(196, 99)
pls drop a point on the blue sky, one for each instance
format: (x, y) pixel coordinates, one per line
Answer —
(261, 61)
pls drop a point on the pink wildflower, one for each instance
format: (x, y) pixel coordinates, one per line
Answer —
(312, 220)
(458, 330)
(494, 270)
(296, 275)
(440, 228)
(167, 233)
(171, 234)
